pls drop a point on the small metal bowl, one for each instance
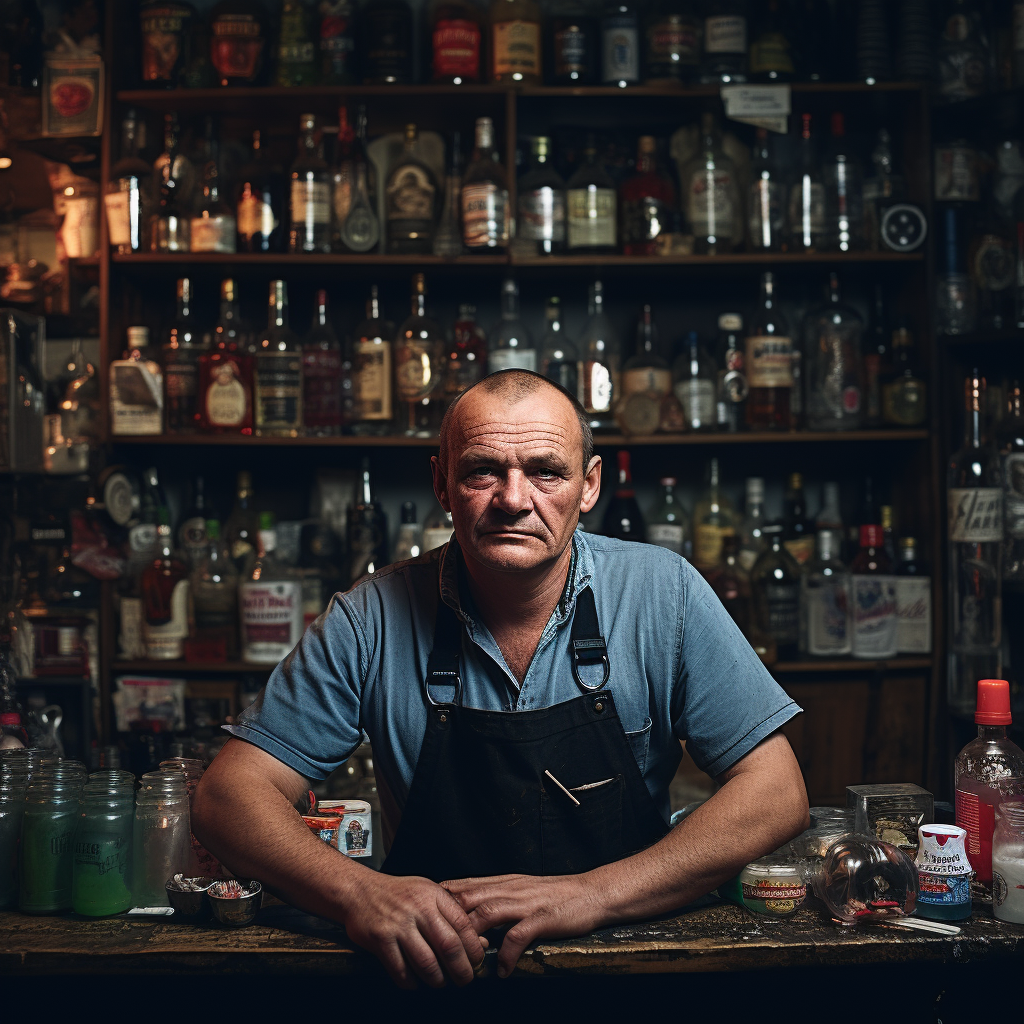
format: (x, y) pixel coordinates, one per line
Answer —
(240, 911)
(190, 905)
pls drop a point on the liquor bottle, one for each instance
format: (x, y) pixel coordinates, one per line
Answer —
(766, 219)
(165, 35)
(599, 349)
(873, 48)
(752, 539)
(466, 359)
(913, 601)
(385, 36)
(775, 589)
(173, 179)
(337, 42)
(559, 359)
(1012, 450)
(410, 201)
(572, 41)
(725, 43)
(127, 196)
(956, 310)
(646, 382)
(296, 52)
(731, 387)
(988, 771)
(797, 528)
(962, 65)
(309, 197)
(419, 364)
(437, 529)
(213, 226)
(771, 57)
(666, 522)
(181, 354)
(844, 192)
(807, 197)
(826, 619)
(448, 234)
(732, 585)
(371, 370)
(620, 43)
(830, 516)
(711, 197)
(214, 586)
(278, 372)
(165, 599)
(623, 519)
(259, 206)
(540, 222)
(833, 362)
(874, 597)
(882, 188)
(515, 41)
(769, 364)
(485, 212)
(323, 386)
(359, 229)
(367, 531)
(713, 519)
(192, 538)
(241, 531)
(409, 542)
(513, 346)
(888, 537)
(13, 733)
(136, 388)
(455, 38)
(590, 207)
(695, 380)
(646, 202)
(905, 394)
(237, 42)
(673, 34)
(975, 503)
(877, 361)
(225, 390)
(269, 602)
(342, 176)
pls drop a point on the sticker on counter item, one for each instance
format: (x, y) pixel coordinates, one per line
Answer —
(943, 890)
(353, 836)
(779, 899)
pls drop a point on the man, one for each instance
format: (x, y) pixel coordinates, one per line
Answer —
(525, 689)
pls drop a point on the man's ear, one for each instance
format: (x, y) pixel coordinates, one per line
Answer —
(591, 485)
(440, 483)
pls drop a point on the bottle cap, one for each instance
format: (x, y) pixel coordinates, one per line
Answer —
(993, 706)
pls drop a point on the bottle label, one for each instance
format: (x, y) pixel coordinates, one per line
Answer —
(337, 45)
(410, 201)
(975, 515)
(874, 616)
(644, 219)
(512, 359)
(311, 204)
(162, 29)
(484, 215)
(769, 361)
(255, 217)
(373, 380)
(598, 387)
(591, 217)
(321, 387)
(807, 210)
(1013, 504)
(943, 890)
(725, 33)
(801, 548)
(180, 381)
(697, 397)
(516, 48)
(213, 234)
(710, 207)
(620, 50)
(227, 404)
(646, 378)
(272, 619)
(914, 614)
(767, 206)
(164, 641)
(978, 819)
(783, 600)
(570, 51)
(136, 397)
(456, 48)
(414, 372)
(236, 45)
(770, 53)
(278, 391)
(673, 41)
(828, 619)
(542, 215)
(666, 535)
(118, 218)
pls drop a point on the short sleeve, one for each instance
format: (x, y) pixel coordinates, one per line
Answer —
(725, 701)
(308, 714)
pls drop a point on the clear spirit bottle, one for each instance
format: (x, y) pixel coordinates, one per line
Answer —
(540, 223)
(466, 359)
(367, 531)
(752, 539)
(310, 193)
(590, 204)
(826, 623)
(667, 521)
(448, 236)
(213, 225)
(127, 197)
(713, 519)
(513, 347)
(766, 219)
(807, 197)
(419, 362)
(558, 354)
(695, 381)
(485, 213)
(711, 196)
(599, 349)
(174, 181)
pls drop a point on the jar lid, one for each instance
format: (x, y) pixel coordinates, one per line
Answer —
(774, 866)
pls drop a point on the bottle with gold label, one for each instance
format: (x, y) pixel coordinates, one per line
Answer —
(646, 382)
(310, 192)
(371, 371)
(225, 372)
(485, 212)
(419, 362)
(515, 41)
(713, 519)
(410, 201)
(769, 363)
(278, 372)
(590, 202)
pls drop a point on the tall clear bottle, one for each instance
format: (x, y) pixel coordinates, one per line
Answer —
(558, 355)
(309, 227)
(732, 387)
(695, 381)
(826, 622)
(419, 362)
(713, 519)
(372, 371)
(833, 364)
(766, 211)
(600, 353)
(324, 384)
(448, 236)
(127, 197)
(752, 539)
(259, 207)
(367, 531)
(213, 225)
(975, 503)
(807, 197)
(485, 213)
(843, 179)
(590, 204)
(667, 522)
(174, 181)
(513, 347)
(278, 371)
(355, 227)
(711, 195)
(775, 586)
(540, 204)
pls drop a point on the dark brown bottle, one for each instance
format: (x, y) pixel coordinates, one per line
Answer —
(386, 42)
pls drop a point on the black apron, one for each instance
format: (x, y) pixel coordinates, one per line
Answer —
(549, 792)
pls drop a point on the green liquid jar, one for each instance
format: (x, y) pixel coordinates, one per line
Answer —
(12, 807)
(102, 849)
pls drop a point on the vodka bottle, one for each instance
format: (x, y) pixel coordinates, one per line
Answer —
(874, 598)
(752, 538)
(826, 623)
(599, 349)
(666, 524)
(558, 356)
(513, 347)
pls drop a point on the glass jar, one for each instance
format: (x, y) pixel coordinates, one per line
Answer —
(27, 760)
(202, 861)
(773, 885)
(47, 831)
(160, 841)
(12, 807)
(1008, 862)
(102, 847)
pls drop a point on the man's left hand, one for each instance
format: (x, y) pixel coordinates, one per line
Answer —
(537, 906)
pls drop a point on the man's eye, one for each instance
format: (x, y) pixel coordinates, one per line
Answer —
(481, 471)
(546, 474)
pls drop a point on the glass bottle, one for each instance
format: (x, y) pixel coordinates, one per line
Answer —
(371, 370)
(962, 55)
(1012, 449)
(695, 381)
(843, 179)
(559, 358)
(830, 516)
(571, 37)
(713, 519)
(673, 34)
(343, 173)
(238, 40)
(455, 40)
(515, 41)
(807, 197)
(752, 540)
(127, 196)
(877, 360)
(323, 388)
(956, 306)
(409, 542)
(797, 528)
(732, 585)
(646, 381)
(213, 226)
(826, 621)
(241, 531)
(513, 347)
(165, 598)
(1008, 858)
(258, 209)
(174, 180)
(192, 539)
(731, 387)
(101, 881)
(725, 43)
(466, 359)
(419, 363)
(385, 38)
(296, 53)
(913, 601)
(882, 188)
(309, 205)
(769, 363)
(181, 354)
(590, 207)
(485, 212)
(367, 531)
(711, 198)
(540, 204)
(161, 844)
(623, 519)
(646, 202)
(620, 43)
(874, 598)
(599, 349)
(214, 586)
(437, 529)
(337, 42)
(410, 201)
(360, 230)
(136, 388)
(766, 218)
(771, 58)
(975, 503)
(278, 371)
(775, 587)
(448, 236)
(666, 522)
(165, 36)
(225, 387)
(905, 395)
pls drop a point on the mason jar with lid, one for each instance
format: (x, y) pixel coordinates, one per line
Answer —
(160, 841)
(102, 845)
(12, 807)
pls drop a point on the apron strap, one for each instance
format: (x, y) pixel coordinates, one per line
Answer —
(443, 663)
(587, 643)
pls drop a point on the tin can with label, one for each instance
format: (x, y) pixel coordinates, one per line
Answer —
(355, 834)
(943, 873)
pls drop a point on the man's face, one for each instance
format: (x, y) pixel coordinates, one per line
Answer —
(515, 484)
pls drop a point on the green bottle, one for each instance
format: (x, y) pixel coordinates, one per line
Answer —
(296, 54)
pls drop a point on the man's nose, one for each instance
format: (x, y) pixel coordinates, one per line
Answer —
(513, 493)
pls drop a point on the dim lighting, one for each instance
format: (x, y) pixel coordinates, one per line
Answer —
(70, 190)
(5, 161)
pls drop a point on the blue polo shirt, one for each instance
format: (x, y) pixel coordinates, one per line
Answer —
(680, 669)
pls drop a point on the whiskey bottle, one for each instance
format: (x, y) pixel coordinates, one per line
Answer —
(646, 382)
(367, 531)
(136, 388)
(174, 179)
(181, 354)
(455, 41)
(732, 387)
(165, 35)
(775, 588)
(386, 42)
(296, 53)
(225, 390)
(769, 364)
(214, 587)
(695, 380)
(259, 207)
(355, 224)
(371, 369)
(310, 193)
(590, 207)
(601, 356)
(127, 197)
(237, 42)
(278, 372)
(673, 42)
(540, 223)
(213, 226)
(571, 57)
(485, 212)
(323, 381)
(623, 518)
(620, 44)
(771, 57)
(419, 363)
(558, 355)
(515, 41)
(410, 201)
(165, 599)
(647, 200)
(725, 43)
(513, 347)
(337, 42)
(713, 519)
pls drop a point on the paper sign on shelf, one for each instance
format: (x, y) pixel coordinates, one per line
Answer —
(764, 106)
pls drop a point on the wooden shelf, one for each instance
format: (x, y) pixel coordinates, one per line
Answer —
(274, 259)
(731, 259)
(811, 665)
(180, 666)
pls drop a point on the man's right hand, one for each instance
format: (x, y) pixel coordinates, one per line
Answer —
(415, 928)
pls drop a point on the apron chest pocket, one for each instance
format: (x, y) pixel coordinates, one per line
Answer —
(639, 743)
(580, 838)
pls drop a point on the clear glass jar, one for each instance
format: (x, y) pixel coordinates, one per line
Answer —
(102, 846)
(202, 861)
(160, 841)
(12, 807)
(1008, 862)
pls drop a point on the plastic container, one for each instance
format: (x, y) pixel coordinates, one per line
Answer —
(1008, 862)
(943, 873)
(773, 885)
(160, 839)
(103, 843)
(866, 878)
